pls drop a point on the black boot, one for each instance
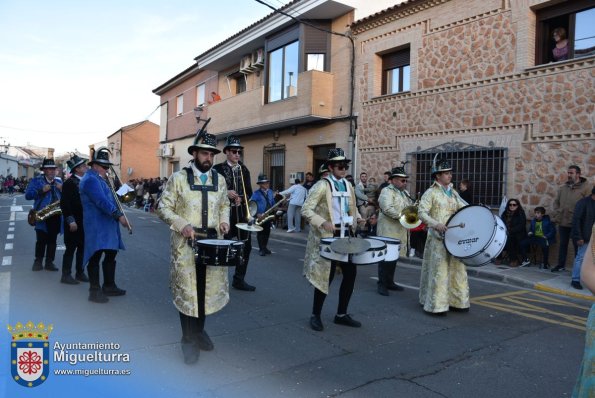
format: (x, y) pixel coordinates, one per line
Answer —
(68, 279)
(37, 264)
(189, 343)
(390, 276)
(109, 276)
(382, 290)
(95, 293)
(49, 257)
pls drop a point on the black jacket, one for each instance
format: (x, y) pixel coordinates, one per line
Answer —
(582, 219)
(70, 203)
(225, 170)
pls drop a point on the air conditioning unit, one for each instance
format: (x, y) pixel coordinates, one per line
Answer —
(246, 64)
(258, 58)
(159, 152)
(167, 150)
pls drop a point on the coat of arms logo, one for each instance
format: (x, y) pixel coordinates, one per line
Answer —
(29, 353)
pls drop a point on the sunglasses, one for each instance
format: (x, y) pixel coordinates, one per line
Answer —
(342, 167)
(236, 151)
(403, 181)
(513, 205)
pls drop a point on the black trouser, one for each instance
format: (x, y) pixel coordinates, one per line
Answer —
(241, 235)
(263, 236)
(345, 291)
(563, 247)
(537, 241)
(191, 327)
(46, 241)
(386, 272)
(109, 268)
(75, 242)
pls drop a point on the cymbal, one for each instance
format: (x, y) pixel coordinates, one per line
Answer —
(350, 245)
(247, 227)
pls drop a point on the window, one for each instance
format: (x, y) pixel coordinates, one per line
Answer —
(283, 67)
(274, 165)
(396, 72)
(565, 31)
(200, 95)
(315, 62)
(179, 104)
(240, 84)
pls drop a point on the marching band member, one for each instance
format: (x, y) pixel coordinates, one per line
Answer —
(102, 230)
(182, 206)
(393, 199)
(233, 170)
(46, 189)
(330, 208)
(444, 284)
(72, 211)
(265, 199)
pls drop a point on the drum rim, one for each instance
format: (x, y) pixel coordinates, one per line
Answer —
(486, 245)
(392, 240)
(202, 242)
(383, 247)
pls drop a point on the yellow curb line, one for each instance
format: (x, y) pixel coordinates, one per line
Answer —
(548, 289)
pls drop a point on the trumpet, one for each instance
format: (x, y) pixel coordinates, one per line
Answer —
(117, 197)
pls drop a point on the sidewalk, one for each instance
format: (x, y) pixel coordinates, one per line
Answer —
(526, 277)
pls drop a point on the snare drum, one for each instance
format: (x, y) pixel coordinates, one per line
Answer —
(480, 240)
(374, 254)
(392, 247)
(218, 252)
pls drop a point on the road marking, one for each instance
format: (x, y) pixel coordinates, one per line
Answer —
(11, 223)
(12, 216)
(9, 236)
(16, 208)
(8, 246)
(11, 229)
(7, 260)
(537, 306)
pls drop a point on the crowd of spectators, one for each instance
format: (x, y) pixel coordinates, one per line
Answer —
(10, 184)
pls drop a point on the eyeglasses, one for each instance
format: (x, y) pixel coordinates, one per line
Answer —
(105, 167)
(342, 167)
(513, 205)
(236, 151)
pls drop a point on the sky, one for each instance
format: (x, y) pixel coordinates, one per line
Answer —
(73, 72)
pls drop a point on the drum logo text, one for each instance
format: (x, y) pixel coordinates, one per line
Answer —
(466, 241)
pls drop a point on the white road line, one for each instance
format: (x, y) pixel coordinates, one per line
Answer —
(8, 246)
(11, 223)
(11, 229)
(9, 236)
(7, 260)
(16, 208)
(12, 216)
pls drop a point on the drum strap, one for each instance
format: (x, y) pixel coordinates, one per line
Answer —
(205, 194)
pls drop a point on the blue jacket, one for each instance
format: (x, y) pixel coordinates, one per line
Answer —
(100, 215)
(549, 228)
(259, 197)
(42, 199)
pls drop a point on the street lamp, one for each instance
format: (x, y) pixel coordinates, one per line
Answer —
(197, 112)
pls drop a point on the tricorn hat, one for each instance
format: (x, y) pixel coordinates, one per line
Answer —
(440, 165)
(48, 163)
(206, 141)
(398, 172)
(75, 162)
(262, 178)
(232, 141)
(101, 157)
(336, 155)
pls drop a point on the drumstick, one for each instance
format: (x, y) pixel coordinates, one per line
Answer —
(461, 225)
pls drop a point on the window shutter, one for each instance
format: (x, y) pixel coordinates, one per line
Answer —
(396, 59)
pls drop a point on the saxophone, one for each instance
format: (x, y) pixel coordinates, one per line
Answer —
(51, 210)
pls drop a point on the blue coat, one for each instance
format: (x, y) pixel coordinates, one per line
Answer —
(42, 199)
(100, 215)
(261, 202)
(549, 228)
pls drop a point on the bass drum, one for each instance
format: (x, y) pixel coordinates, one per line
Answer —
(475, 235)
(374, 254)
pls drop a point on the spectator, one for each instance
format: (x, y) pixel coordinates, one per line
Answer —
(542, 233)
(582, 223)
(465, 191)
(309, 181)
(516, 229)
(572, 191)
(364, 192)
(297, 194)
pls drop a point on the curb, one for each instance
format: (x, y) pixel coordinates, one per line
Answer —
(549, 289)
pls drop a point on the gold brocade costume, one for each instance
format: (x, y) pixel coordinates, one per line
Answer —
(443, 277)
(392, 201)
(180, 206)
(316, 210)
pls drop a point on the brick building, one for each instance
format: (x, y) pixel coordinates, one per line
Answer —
(133, 149)
(474, 81)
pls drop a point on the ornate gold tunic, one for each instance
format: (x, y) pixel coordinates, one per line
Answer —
(392, 201)
(443, 277)
(180, 206)
(316, 210)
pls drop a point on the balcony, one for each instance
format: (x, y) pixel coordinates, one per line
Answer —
(247, 113)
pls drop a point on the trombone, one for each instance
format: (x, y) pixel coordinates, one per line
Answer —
(250, 224)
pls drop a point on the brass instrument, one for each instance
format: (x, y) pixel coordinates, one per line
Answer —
(269, 215)
(117, 197)
(249, 225)
(51, 210)
(409, 217)
(127, 197)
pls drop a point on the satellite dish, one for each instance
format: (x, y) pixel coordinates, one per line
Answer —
(130, 170)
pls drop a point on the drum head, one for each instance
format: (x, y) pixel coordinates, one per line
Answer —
(216, 242)
(350, 245)
(474, 236)
(387, 240)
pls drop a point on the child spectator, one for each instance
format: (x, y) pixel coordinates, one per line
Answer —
(542, 233)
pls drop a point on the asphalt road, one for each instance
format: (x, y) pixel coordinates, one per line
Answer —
(513, 343)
